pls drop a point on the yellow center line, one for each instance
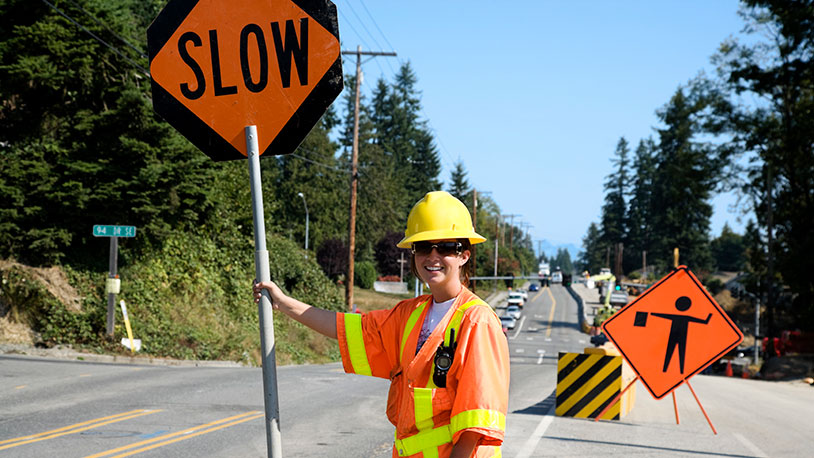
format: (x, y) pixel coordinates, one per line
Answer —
(18, 387)
(78, 427)
(185, 434)
(550, 315)
(538, 294)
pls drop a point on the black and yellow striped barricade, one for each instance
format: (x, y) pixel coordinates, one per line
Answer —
(588, 382)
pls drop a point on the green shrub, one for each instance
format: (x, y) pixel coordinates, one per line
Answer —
(714, 285)
(190, 298)
(365, 274)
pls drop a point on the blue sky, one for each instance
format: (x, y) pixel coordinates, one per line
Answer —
(533, 96)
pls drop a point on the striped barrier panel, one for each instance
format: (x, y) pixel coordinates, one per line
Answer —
(588, 382)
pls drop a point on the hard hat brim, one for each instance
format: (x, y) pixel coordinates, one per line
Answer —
(472, 236)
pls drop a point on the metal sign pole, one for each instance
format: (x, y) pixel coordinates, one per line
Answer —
(261, 265)
(112, 272)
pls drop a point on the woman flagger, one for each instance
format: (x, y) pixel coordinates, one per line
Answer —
(445, 353)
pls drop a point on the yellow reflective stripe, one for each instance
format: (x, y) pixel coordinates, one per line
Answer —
(455, 322)
(425, 441)
(422, 397)
(356, 344)
(478, 418)
(408, 327)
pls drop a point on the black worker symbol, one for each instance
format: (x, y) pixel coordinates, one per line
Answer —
(678, 329)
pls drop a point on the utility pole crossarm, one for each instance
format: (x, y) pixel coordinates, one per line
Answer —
(369, 53)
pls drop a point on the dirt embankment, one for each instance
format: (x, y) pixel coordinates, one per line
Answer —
(53, 279)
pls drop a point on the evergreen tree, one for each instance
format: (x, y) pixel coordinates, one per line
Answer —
(776, 132)
(728, 250)
(685, 176)
(401, 132)
(640, 209)
(458, 186)
(614, 214)
(562, 261)
(379, 193)
(80, 117)
(592, 256)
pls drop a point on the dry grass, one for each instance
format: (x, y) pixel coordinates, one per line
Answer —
(367, 299)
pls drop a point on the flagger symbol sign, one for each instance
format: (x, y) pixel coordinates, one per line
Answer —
(672, 331)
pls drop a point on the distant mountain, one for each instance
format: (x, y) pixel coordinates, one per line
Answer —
(550, 249)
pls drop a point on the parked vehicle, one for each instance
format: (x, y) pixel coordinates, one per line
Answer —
(513, 311)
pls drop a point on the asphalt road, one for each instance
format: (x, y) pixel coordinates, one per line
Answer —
(79, 409)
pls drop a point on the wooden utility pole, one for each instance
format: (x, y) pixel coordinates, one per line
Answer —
(769, 266)
(475, 228)
(354, 173)
(511, 234)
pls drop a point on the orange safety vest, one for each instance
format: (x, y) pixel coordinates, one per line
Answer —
(430, 419)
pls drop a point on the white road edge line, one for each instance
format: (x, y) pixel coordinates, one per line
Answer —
(534, 439)
(519, 327)
(752, 447)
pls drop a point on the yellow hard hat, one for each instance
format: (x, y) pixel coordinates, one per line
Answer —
(437, 216)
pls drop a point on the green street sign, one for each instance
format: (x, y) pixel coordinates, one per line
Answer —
(114, 231)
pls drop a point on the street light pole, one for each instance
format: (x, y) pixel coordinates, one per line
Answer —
(306, 222)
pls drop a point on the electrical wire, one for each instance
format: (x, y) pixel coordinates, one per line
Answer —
(380, 32)
(112, 48)
(97, 21)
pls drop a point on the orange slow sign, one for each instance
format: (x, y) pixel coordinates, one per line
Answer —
(672, 331)
(218, 66)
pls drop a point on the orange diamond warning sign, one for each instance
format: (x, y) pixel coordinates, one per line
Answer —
(219, 66)
(672, 331)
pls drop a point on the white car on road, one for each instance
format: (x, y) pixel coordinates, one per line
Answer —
(515, 298)
(508, 322)
(513, 311)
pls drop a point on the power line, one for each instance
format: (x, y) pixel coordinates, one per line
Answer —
(330, 167)
(133, 63)
(352, 10)
(347, 21)
(380, 32)
(97, 21)
(374, 23)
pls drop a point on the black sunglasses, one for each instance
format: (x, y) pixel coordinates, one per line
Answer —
(443, 248)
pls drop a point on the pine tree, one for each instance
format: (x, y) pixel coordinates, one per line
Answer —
(458, 186)
(614, 212)
(776, 132)
(640, 208)
(592, 256)
(683, 183)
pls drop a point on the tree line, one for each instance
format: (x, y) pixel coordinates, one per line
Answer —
(747, 129)
(82, 146)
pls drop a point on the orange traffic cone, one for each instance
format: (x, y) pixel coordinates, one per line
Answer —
(728, 371)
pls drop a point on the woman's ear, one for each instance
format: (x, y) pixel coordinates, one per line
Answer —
(465, 255)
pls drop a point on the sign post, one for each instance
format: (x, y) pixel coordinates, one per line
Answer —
(240, 79)
(113, 284)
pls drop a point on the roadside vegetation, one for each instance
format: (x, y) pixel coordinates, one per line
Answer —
(746, 129)
(81, 145)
